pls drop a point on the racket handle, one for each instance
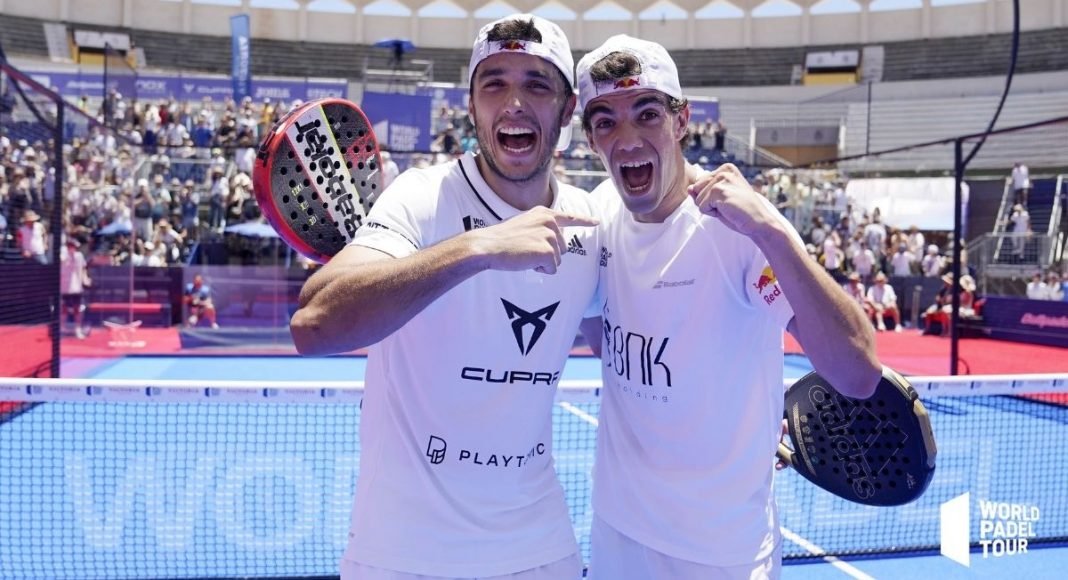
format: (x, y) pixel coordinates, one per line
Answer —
(785, 454)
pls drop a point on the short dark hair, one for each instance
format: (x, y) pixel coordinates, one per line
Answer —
(620, 65)
(519, 29)
(516, 29)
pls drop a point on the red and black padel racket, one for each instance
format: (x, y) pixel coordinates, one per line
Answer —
(317, 174)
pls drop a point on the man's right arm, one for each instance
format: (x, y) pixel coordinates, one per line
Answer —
(363, 295)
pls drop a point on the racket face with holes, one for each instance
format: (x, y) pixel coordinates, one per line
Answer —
(317, 174)
(878, 451)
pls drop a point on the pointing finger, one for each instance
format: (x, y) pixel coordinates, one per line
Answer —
(565, 219)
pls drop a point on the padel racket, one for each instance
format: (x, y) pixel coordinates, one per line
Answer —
(317, 174)
(878, 451)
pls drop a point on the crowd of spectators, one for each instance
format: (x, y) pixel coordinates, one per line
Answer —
(173, 174)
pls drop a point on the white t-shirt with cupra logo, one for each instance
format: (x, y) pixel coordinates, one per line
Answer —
(456, 469)
(693, 386)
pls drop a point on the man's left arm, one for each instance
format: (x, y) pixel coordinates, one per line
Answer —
(833, 330)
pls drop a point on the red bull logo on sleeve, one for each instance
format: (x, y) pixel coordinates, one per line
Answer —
(512, 45)
(627, 83)
(767, 279)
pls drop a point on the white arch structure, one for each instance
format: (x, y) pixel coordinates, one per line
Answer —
(681, 24)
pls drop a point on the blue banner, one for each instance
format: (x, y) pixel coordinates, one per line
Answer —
(401, 122)
(1023, 320)
(703, 109)
(239, 58)
(190, 87)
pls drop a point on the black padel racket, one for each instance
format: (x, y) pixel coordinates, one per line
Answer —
(317, 174)
(878, 451)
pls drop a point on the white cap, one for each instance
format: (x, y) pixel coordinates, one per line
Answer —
(658, 71)
(553, 48)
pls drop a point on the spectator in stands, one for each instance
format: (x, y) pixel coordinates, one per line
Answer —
(1056, 289)
(142, 212)
(1037, 288)
(390, 171)
(220, 192)
(937, 317)
(32, 238)
(199, 302)
(73, 279)
(932, 263)
(833, 257)
(1021, 230)
(720, 135)
(1021, 183)
(916, 241)
(882, 303)
(864, 261)
(901, 262)
(875, 238)
(855, 289)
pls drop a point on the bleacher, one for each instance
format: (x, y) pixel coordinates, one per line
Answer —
(1040, 50)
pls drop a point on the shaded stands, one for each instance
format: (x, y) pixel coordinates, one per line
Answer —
(1040, 50)
(23, 36)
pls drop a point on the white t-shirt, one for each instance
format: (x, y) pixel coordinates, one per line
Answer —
(693, 398)
(1037, 290)
(882, 294)
(863, 262)
(901, 263)
(456, 474)
(1021, 178)
(71, 271)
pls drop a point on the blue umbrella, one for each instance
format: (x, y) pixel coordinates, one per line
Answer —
(399, 46)
(253, 230)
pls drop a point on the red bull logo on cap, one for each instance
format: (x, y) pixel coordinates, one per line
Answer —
(767, 279)
(627, 83)
(512, 45)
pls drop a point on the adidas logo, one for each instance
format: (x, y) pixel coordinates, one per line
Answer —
(473, 223)
(574, 246)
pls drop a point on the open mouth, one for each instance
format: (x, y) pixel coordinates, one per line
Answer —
(636, 174)
(516, 140)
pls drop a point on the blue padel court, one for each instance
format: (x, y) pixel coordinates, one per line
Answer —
(209, 490)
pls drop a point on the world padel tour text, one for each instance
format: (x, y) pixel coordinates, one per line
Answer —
(1005, 527)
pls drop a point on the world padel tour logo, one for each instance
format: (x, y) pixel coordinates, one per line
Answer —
(1004, 528)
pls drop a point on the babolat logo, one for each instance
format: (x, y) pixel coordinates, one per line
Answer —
(435, 449)
(473, 223)
(605, 254)
(662, 284)
(574, 246)
(317, 150)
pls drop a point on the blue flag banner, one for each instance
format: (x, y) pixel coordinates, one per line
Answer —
(239, 58)
(401, 122)
(186, 87)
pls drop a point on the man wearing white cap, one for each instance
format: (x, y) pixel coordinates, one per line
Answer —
(699, 283)
(468, 282)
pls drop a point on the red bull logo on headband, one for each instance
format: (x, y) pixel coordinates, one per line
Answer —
(512, 45)
(627, 83)
(767, 279)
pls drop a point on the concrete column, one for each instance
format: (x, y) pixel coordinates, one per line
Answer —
(302, 21)
(187, 17)
(865, 23)
(925, 25)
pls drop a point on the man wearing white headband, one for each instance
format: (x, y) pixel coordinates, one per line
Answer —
(464, 285)
(699, 280)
